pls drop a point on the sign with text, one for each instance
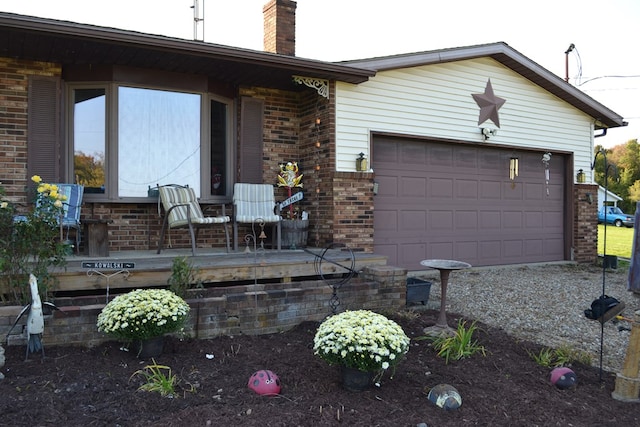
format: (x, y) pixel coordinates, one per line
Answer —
(291, 200)
(108, 265)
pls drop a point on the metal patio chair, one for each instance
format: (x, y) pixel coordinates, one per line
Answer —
(255, 204)
(182, 209)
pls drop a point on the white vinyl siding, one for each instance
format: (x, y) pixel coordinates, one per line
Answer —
(435, 101)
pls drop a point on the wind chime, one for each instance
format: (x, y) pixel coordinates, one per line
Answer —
(546, 157)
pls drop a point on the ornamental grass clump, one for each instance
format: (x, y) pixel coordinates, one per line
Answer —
(362, 340)
(143, 314)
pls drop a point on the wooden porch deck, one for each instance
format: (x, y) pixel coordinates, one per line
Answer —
(215, 267)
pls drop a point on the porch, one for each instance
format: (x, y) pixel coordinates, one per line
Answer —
(124, 270)
(243, 293)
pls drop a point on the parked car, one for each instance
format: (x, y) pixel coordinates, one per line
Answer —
(615, 216)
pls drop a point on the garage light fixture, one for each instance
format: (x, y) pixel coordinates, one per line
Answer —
(514, 166)
(487, 132)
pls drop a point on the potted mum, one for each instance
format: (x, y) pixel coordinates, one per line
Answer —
(363, 343)
(144, 316)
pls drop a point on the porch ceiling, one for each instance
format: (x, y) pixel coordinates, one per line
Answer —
(68, 43)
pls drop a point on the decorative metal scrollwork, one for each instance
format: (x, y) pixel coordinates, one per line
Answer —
(320, 85)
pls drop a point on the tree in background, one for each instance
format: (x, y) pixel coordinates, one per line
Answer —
(89, 169)
(623, 176)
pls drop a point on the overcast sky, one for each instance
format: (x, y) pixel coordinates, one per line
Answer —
(605, 63)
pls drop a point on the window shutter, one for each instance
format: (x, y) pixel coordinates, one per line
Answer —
(43, 129)
(251, 141)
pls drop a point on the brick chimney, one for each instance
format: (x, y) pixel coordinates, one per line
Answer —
(280, 27)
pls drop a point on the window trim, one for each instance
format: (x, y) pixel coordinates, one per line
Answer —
(112, 145)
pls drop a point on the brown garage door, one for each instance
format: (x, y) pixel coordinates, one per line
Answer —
(456, 201)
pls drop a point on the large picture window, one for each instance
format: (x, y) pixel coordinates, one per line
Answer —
(158, 140)
(156, 137)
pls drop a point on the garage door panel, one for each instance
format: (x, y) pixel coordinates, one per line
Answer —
(443, 250)
(512, 249)
(413, 154)
(440, 220)
(490, 220)
(490, 190)
(533, 220)
(534, 191)
(512, 191)
(385, 221)
(412, 187)
(440, 156)
(387, 186)
(555, 246)
(466, 220)
(412, 254)
(467, 250)
(512, 220)
(534, 248)
(457, 201)
(441, 188)
(413, 221)
(467, 189)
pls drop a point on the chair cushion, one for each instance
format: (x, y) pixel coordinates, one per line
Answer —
(186, 203)
(254, 202)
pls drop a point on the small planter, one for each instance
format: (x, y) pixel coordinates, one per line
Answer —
(610, 261)
(355, 379)
(418, 291)
(152, 347)
(294, 233)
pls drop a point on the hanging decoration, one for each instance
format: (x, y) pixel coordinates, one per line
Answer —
(513, 168)
(546, 157)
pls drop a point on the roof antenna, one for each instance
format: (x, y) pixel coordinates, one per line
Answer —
(197, 20)
(566, 60)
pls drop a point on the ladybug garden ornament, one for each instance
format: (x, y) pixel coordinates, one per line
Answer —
(264, 382)
(564, 378)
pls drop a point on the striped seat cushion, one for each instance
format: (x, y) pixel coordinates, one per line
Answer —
(185, 204)
(254, 202)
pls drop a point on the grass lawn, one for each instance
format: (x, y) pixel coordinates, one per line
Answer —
(619, 240)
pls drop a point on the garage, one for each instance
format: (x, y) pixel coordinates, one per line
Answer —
(457, 201)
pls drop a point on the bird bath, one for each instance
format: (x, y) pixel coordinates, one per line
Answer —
(445, 266)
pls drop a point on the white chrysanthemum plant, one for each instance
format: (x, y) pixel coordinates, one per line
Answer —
(143, 314)
(362, 340)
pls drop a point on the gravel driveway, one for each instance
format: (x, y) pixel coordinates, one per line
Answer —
(543, 303)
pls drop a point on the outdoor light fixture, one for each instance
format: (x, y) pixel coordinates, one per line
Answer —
(361, 163)
(581, 177)
(514, 166)
(486, 132)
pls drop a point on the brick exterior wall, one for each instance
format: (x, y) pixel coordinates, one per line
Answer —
(247, 309)
(353, 210)
(585, 223)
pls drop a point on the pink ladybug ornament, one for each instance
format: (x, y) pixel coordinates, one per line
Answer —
(564, 378)
(264, 382)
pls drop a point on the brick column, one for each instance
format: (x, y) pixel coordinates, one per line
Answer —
(585, 223)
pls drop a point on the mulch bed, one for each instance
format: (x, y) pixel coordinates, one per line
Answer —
(97, 387)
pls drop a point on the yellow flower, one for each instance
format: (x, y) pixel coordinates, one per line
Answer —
(3, 205)
(57, 204)
(36, 179)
